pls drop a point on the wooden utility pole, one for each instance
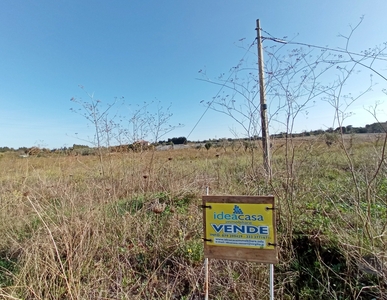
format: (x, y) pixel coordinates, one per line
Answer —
(265, 131)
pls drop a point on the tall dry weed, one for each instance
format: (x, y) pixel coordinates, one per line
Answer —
(68, 231)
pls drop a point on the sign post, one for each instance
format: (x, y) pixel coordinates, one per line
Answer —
(240, 228)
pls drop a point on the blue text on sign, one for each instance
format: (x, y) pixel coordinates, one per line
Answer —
(234, 228)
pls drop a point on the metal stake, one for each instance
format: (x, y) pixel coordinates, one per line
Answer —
(206, 276)
(271, 266)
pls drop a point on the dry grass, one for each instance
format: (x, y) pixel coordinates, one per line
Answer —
(69, 232)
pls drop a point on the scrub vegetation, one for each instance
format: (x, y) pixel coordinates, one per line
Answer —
(70, 231)
(92, 223)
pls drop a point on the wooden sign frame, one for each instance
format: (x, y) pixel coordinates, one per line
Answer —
(253, 253)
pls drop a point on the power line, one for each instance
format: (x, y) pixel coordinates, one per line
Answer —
(362, 55)
(282, 41)
(223, 85)
(287, 42)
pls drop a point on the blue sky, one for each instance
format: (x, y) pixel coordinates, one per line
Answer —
(152, 51)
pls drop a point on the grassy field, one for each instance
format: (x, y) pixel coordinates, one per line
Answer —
(129, 226)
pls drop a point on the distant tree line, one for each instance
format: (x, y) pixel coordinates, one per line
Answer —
(373, 128)
(86, 150)
(175, 141)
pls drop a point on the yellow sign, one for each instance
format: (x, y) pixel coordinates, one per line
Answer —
(240, 228)
(240, 225)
